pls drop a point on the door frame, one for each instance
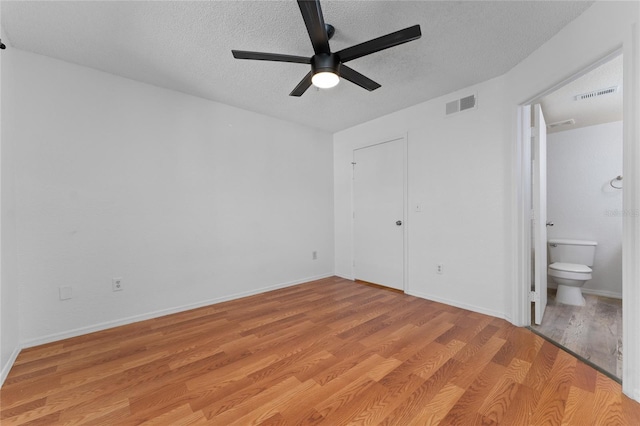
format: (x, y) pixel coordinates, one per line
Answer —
(524, 207)
(405, 198)
(521, 314)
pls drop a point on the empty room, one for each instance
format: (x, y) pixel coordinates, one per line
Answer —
(305, 212)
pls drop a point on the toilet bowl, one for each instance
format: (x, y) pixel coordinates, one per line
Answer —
(570, 277)
(569, 268)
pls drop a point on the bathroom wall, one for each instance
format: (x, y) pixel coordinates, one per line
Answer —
(580, 201)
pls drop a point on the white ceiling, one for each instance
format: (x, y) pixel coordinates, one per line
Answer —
(561, 105)
(186, 46)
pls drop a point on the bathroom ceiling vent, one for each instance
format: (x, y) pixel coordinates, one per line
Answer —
(596, 93)
(568, 122)
(462, 104)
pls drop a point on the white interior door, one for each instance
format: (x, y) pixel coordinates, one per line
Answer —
(378, 202)
(539, 224)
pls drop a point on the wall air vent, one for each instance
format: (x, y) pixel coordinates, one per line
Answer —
(568, 122)
(596, 93)
(462, 104)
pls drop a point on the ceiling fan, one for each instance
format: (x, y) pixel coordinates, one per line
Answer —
(327, 67)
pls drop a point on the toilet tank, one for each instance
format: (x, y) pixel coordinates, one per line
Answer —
(572, 251)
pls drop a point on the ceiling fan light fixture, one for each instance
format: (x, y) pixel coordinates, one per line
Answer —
(326, 70)
(325, 80)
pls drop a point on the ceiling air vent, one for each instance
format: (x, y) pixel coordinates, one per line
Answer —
(568, 122)
(596, 93)
(462, 104)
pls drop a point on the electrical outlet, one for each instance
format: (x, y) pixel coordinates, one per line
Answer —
(117, 284)
(314, 255)
(65, 292)
(440, 268)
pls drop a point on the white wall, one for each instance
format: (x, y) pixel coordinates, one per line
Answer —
(190, 201)
(580, 201)
(458, 169)
(9, 290)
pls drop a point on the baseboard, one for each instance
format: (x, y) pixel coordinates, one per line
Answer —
(509, 318)
(346, 277)
(7, 367)
(457, 304)
(595, 292)
(602, 293)
(162, 312)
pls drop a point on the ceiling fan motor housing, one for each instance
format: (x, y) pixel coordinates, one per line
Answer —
(325, 62)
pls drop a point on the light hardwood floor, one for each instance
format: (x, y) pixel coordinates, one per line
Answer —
(593, 331)
(328, 352)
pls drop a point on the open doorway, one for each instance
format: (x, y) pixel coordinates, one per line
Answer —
(576, 233)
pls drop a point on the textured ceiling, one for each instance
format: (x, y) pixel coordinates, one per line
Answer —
(186, 46)
(561, 105)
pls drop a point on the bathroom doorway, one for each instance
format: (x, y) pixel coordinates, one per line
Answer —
(584, 178)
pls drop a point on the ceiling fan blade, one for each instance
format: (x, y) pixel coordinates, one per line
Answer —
(380, 43)
(303, 85)
(261, 56)
(356, 78)
(313, 19)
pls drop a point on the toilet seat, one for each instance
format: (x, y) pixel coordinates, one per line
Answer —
(570, 271)
(570, 267)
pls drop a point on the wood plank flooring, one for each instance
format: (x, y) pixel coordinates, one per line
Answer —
(329, 352)
(593, 331)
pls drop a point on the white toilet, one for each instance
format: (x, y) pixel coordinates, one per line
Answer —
(569, 267)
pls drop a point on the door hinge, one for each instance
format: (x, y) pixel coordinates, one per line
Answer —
(534, 296)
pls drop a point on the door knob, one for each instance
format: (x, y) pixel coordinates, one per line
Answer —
(398, 222)
(549, 223)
